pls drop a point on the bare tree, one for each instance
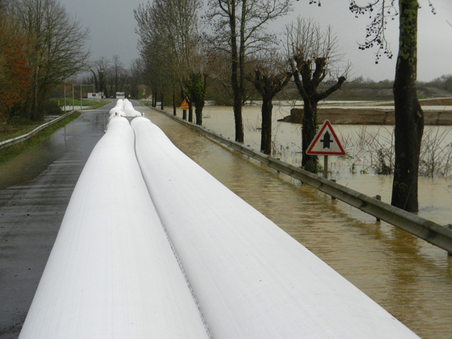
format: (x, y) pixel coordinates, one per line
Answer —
(118, 73)
(136, 77)
(3, 5)
(269, 78)
(409, 117)
(100, 69)
(238, 30)
(56, 47)
(15, 73)
(312, 54)
(168, 31)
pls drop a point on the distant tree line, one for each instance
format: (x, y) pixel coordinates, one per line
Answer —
(109, 76)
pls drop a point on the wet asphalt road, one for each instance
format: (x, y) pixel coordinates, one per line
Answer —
(35, 189)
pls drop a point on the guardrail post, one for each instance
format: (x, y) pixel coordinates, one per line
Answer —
(449, 226)
(378, 197)
(325, 166)
(332, 197)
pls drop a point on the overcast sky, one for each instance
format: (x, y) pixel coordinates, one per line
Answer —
(112, 27)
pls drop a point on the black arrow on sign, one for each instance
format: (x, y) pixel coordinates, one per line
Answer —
(327, 140)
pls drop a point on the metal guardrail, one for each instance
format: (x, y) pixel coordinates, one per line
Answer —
(433, 233)
(28, 135)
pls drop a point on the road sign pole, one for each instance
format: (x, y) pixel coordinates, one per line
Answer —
(325, 166)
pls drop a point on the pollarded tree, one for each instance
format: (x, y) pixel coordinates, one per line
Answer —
(238, 30)
(56, 47)
(312, 53)
(202, 64)
(196, 87)
(269, 78)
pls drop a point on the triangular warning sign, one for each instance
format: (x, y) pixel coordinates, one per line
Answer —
(184, 105)
(325, 142)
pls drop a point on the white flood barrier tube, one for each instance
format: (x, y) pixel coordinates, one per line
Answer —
(250, 278)
(129, 110)
(112, 272)
(118, 110)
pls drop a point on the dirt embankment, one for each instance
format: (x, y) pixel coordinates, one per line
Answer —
(378, 114)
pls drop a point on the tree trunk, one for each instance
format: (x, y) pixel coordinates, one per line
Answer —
(190, 111)
(409, 118)
(309, 162)
(174, 100)
(237, 106)
(154, 98)
(198, 112)
(266, 133)
(235, 81)
(238, 102)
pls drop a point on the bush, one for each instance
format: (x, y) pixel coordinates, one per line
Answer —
(52, 108)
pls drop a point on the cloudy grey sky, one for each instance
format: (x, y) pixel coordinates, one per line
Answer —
(112, 27)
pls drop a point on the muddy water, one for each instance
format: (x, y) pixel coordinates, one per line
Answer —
(408, 277)
(435, 195)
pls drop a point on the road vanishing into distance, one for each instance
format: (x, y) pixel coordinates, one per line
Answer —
(408, 277)
(35, 189)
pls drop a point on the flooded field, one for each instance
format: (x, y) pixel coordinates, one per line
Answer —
(410, 278)
(435, 194)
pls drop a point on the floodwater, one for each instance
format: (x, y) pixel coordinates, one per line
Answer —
(410, 278)
(435, 194)
(70, 138)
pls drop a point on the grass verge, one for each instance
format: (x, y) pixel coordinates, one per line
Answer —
(10, 152)
(93, 104)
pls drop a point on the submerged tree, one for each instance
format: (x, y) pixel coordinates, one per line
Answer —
(312, 54)
(269, 78)
(196, 86)
(409, 117)
(238, 30)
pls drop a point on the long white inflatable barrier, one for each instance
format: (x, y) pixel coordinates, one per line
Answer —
(123, 108)
(129, 110)
(250, 278)
(118, 110)
(112, 272)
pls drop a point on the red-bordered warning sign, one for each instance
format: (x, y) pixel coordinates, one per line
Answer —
(325, 142)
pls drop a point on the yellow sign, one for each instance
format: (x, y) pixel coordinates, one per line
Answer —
(184, 105)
